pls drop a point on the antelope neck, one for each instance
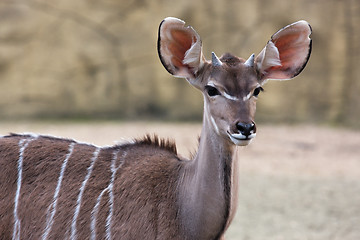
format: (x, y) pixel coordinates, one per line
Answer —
(205, 191)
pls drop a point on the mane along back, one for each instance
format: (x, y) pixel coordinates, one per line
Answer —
(149, 140)
(155, 141)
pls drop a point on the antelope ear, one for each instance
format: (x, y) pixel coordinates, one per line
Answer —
(286, 54)
(180, 48)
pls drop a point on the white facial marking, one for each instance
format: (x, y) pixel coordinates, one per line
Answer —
(226, 95)
(52, 206)
(214, 125)
(212, 120)
(230, 97)
(23, 143)
(247, 97)
(240, 139)
(210, 83)
(81, 192)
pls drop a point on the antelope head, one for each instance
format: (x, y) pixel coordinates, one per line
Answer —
(230, 84)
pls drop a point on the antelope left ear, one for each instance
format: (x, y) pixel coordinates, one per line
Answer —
(180, 48)
(286, 54)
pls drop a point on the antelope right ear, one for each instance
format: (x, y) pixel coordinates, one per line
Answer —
(286, 54)
(180, 48)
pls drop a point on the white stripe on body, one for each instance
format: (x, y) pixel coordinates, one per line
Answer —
(52, 206)
(108, 189)
(23, 143)
(94, 213)
(81, 192)
(111, 192)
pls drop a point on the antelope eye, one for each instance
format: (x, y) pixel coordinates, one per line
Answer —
(257, 91)
(212, 91)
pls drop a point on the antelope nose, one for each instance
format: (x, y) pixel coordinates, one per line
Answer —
(246, 129)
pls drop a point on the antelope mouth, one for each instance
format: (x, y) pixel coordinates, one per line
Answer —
(240, 139)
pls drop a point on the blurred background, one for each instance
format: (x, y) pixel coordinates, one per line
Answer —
(87, 69)
(90, 59)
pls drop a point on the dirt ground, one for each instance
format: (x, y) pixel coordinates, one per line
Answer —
(296, 182)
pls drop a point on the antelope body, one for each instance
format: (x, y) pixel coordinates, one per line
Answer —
(54, 188)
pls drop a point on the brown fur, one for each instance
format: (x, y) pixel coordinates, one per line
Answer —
(144, 199)
(142, 190)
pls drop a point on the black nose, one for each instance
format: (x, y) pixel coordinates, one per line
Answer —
(246, 129)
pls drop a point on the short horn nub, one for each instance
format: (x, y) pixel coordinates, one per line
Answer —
(215, 61)
(250, 61)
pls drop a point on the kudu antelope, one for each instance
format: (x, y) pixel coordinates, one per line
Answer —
(54, 188)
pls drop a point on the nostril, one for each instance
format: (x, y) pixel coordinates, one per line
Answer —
(245, 129)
